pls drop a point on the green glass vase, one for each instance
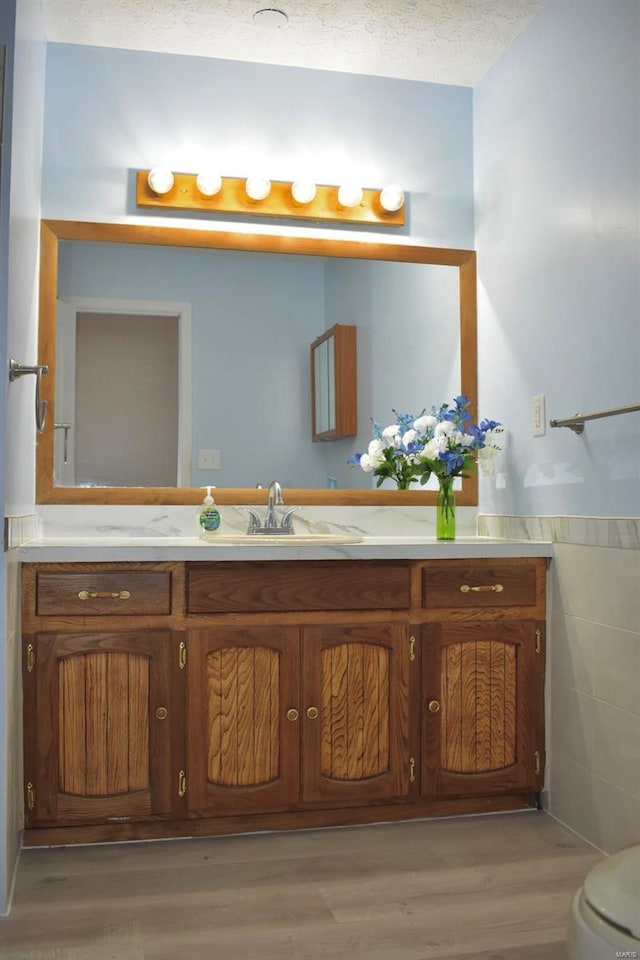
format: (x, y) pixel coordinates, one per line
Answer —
(446, 510)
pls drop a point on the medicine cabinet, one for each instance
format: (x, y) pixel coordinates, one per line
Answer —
(333, 384)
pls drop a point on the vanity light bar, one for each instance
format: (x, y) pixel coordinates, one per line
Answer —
(282, 199)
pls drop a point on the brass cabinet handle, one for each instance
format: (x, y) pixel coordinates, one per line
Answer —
(412, 769)
(434, 706)
(104, 595)
(312, 713)
(162, 713)
(489, 588)
(182, 783)
(292, 714)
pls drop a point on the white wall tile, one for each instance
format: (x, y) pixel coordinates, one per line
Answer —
(599, 584)
(572, 651)
(614, 739)
(571, 723)
(616, 816)
(616, 667)
(571, 795)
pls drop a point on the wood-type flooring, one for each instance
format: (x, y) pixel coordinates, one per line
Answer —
(479, 888)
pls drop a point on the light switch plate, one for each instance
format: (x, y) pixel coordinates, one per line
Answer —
(538, 415)
(208, 460)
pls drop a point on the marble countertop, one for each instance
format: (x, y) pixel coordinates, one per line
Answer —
(105, 549)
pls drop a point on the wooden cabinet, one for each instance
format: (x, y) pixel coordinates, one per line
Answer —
(181, 699)
(355, 713)
(243, 744)
(105, 711)
(482, 722)
(279, 717)
(482, 677)
(334, 409)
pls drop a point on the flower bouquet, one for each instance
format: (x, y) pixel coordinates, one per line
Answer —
(443, 443)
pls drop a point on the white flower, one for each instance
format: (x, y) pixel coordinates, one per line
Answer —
(408, 437)
(366, 463)
(444, 428)
(390, 433)
(375, 453)
(434, 447)
(464, 439)
(424, 423)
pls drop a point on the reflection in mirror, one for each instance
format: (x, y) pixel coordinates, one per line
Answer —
(178, 353)
(334, 393)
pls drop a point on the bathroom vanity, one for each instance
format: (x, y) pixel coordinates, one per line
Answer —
(226, 689)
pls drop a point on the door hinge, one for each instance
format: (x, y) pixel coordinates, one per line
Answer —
(412, 648)
(31, 796)
(412, 769)
(31, 658)
(537, 757)
(182, 654)
(538, 641)
(182, 783)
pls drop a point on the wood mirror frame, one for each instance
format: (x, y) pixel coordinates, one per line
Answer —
(52, 231)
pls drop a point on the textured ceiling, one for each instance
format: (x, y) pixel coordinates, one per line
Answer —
(440, 41)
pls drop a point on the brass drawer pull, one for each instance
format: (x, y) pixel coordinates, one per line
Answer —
(104, 595)
(162, 713)
(292, 714)
(434, 706)
(489, 588)
(312, 713)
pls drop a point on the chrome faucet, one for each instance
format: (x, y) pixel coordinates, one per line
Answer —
(270, 524)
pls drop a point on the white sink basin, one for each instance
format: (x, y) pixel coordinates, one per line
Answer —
(285, 540)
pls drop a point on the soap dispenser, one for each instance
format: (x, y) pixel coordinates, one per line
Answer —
(209, 519)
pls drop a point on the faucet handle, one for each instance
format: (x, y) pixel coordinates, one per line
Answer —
(286, 520)
(254, 519)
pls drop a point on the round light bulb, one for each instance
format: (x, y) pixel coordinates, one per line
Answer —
(392, 198)
(209, 183)
(258, 188)
(160, 180)
(349, 195)
(302, 192)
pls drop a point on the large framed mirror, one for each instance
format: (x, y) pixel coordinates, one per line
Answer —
(213, 330)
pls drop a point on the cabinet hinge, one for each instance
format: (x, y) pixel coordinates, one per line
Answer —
(412, 648)
(412, 769)
(31, 796)
(182, 654)
(538, 641)
(182, 783)
(537, 758)
(31, 658)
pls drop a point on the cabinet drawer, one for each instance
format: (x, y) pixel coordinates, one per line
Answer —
(103, 594)
(479, 585)
(322, 585)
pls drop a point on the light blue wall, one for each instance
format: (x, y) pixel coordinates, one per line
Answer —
(111, 112)
(21, 30)
(7, 841)
(557, 180)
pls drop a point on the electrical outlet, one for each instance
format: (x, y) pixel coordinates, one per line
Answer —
(208, 460)
(538, 416)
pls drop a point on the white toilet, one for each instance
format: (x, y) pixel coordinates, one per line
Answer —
(604, 922)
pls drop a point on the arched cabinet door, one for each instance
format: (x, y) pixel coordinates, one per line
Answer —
(482, 708)
(355, 713)
(243, 719)
(106, 718)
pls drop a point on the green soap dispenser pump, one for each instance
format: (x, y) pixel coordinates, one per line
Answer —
(209, 518)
